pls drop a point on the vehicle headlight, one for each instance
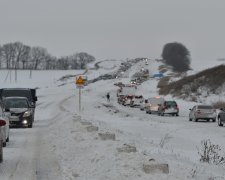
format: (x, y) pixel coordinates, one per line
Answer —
(26, 114)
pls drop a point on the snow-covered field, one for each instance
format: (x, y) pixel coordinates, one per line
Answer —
(65, 143)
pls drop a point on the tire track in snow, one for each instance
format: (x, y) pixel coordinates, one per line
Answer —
(61, 104)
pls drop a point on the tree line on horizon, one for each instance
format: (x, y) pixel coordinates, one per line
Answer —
(17, 55)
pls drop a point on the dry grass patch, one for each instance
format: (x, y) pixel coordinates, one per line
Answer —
(210, 80)
(219, 104)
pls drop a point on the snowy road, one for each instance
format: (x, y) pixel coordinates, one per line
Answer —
(28, 155)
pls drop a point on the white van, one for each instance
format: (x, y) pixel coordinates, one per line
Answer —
(153, 104)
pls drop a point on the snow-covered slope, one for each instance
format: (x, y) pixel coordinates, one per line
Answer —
(65, 142)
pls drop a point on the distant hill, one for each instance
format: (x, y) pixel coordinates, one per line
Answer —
(209, 81)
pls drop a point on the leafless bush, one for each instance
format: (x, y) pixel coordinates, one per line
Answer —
(193, 173)
(219, 104)
(205, 79)
(193, 98)
(163, 81)
(211, 153)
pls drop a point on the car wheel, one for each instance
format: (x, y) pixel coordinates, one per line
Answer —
(30, 125)
(214, 120)
(196, 120)
(219, 122)
(190, 119)
(7, 140)
(177, 114)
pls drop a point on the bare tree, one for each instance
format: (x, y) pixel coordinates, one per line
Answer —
(38, 55)
(22, 54)
(63, 63)
(8, 54)
(50, 62)
(83, 59)
(73, 61)
(17, 55)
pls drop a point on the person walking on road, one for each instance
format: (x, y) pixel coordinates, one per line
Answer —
(108, 97)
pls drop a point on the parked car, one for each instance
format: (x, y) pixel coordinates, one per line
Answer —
(136, 101)
(127, 100)
(5, 128)
(221, 117)
(205, 112)
(168, 107)
(153, 104)
(2, 123)
(21, 112)
(143, 105)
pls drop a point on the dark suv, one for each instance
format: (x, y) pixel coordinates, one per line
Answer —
(168, 107)
(27, 94)
(21, 113)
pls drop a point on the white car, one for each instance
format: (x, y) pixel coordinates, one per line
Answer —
(205, 112)
(4, 129)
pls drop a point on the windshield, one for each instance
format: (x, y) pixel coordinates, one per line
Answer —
(16, 103)
(205, 107)
(171, 103)
(156, 101)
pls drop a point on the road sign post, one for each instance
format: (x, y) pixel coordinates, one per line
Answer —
(80, 84)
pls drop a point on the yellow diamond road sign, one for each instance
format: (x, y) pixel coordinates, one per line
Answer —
(80, 80)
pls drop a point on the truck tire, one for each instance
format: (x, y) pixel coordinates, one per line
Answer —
(30, 125)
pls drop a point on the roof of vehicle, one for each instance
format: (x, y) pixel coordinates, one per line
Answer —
(156, 100)
(15, 97)
(204, 106)
(169, 102)
(16, 88)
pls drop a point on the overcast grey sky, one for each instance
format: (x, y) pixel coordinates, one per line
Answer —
(118, 29)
